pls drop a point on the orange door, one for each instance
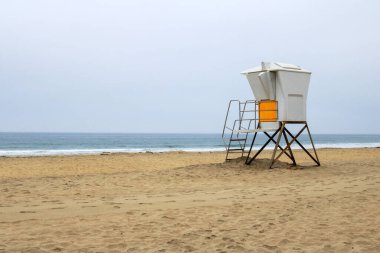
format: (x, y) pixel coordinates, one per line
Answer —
(267, 110)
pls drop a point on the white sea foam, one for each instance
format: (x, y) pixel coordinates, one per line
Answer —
(64, 152)
(25, 153)
(333, 145)
(346, 145)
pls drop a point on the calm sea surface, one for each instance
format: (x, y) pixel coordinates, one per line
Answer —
(29, 144)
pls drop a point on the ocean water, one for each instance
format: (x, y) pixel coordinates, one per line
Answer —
(34, 144)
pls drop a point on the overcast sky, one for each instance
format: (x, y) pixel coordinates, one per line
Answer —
(172, 66)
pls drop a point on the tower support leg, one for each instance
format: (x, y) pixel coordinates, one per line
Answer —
(270, 139)
(249, 161)
(290, 149)
(272, 160)
(289, 140)
(250, 149)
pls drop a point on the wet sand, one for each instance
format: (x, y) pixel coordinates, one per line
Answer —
(190, 202)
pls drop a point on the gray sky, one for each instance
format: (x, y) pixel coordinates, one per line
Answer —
(172, 66)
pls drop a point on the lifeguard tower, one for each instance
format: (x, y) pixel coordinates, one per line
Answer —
(281, 91)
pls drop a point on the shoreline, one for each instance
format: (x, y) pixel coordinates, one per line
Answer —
(89, 164)
(60, 153)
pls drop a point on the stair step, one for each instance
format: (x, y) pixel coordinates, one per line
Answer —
(234, 149)
(238, 139)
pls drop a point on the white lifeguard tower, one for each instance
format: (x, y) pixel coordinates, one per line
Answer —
(281, 91)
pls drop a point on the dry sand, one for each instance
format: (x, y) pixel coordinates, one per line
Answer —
(190, 202)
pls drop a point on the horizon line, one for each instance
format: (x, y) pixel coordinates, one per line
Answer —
(83, 132)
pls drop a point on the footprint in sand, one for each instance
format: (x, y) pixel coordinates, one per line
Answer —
(52, 201)
(27, 211)
(270, 247)
(166, 217)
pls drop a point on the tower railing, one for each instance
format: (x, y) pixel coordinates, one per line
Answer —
(234, 138)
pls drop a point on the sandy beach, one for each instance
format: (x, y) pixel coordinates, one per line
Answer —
(190, 202)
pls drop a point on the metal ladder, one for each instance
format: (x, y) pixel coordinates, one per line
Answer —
(235, 141)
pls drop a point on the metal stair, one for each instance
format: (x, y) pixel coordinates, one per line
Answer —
(242, 116)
